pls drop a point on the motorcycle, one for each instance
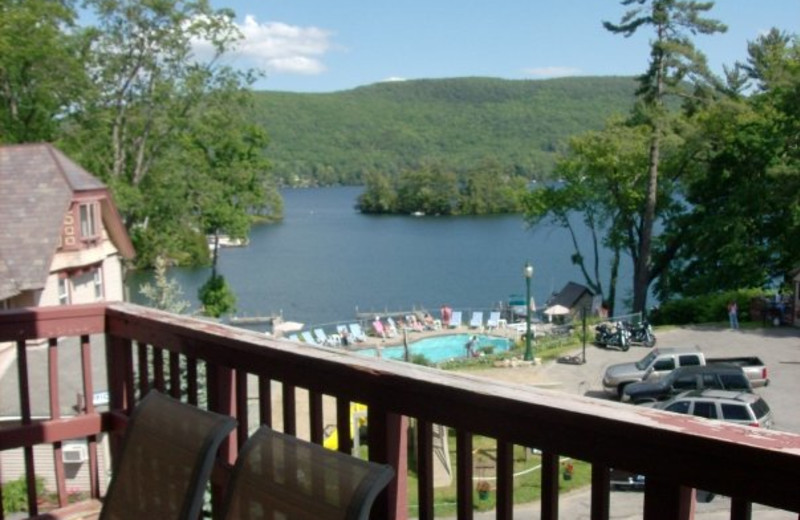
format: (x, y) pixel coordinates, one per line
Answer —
(642, 333)
(614, 334)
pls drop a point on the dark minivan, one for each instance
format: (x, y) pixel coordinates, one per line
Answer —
(717, 376)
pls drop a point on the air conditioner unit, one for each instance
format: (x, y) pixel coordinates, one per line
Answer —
(74, 453)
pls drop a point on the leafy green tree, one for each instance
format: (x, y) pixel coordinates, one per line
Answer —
(674, 61)
(603, 176)
(429, 189)
(490, 190)
(41, 71)
(742, 221)
(216, 296)
(165, 128)
(379, 195)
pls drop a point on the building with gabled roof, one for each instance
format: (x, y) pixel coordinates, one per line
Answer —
(62, 239)
(576, 298)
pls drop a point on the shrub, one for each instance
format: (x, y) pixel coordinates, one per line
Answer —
(15, 494)
(705, 309)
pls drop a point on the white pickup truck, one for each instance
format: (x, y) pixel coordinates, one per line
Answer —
(661, 361)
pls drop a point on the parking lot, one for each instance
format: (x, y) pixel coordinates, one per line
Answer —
(778, 348)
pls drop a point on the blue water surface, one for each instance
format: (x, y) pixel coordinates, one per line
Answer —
(440, 348)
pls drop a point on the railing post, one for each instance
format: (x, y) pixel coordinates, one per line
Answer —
(667, 501)
(742, 509)
(601, 492)
(505, 480)
(388, 443)
(464, 474)
(222, 399)
(55, 413)
(550, 475)
(25, 410)
(425, 468)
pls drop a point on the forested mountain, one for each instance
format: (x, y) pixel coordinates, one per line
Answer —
(457, 124)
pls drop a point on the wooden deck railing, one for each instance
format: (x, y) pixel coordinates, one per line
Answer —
(293, 387)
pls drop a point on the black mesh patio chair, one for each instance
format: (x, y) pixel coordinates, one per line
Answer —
(165, 462)
(280, 476)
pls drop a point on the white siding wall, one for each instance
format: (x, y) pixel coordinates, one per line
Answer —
(112, 278)
(49, 295)
(77, 475)
(83, 288)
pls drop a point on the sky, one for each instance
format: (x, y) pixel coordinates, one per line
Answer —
(333, 45)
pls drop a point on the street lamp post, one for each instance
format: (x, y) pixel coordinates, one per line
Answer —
(528, 272)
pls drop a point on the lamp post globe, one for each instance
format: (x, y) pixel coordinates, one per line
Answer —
(528, 272)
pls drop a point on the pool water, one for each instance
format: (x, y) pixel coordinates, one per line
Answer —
(441, 348)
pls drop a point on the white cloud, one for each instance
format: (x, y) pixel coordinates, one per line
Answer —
(392, 78)
(552, 72)
(281, 48)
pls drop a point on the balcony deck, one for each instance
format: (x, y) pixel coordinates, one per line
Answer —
(127, 349)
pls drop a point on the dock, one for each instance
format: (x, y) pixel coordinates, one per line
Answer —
(252, 320)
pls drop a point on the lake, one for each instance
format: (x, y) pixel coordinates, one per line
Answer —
(325, 261)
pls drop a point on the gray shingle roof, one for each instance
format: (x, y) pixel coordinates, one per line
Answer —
(570, 294)
(37, 183)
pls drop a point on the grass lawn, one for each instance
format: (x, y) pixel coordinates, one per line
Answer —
(527, 477)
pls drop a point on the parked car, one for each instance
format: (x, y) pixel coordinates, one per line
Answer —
(725, 405)
(717, 376)
(661, 361)
(622, 480)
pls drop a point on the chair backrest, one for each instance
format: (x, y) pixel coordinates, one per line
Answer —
(355, 329)
(280, 476)
(165, 461)
(455, 319)
(320, 336)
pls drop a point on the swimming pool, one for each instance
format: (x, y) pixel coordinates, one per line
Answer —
(440, 348)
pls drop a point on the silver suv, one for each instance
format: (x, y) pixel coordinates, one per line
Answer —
(725, 405)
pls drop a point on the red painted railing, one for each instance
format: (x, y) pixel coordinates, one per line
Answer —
(242, 372)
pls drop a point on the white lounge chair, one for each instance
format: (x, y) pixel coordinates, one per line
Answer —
(392, 328)
(308, 338)
(494, 320)
(345, 337)
(477, 320)
(455, 319)
(322, 338)
(294, 337)
(356, 332)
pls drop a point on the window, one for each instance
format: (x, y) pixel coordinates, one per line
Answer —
(98, 284)
(710, 381)
(735, 412)
(685, 382)
(63, 291)
(705, 409)
(734, 382)
(89, 221)
(679, 407)
(664, 364)
(691, 360)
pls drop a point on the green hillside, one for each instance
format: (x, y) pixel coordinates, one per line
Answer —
(455, 123)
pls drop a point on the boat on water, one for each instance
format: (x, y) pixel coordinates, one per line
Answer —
(226, 241)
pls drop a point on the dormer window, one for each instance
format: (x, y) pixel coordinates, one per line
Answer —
(90, 225)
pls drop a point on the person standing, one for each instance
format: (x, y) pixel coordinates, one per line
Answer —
(470, 346)
(446, 312)
(733, 314)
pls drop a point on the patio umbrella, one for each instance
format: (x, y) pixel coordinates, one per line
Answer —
(556, 310)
